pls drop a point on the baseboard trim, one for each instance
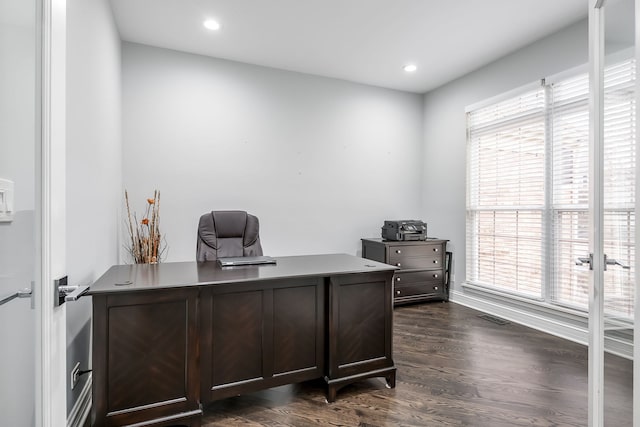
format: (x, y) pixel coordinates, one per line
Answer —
(82, 408)
(572, 332)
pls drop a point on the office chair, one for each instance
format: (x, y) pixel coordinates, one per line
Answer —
(224, 234)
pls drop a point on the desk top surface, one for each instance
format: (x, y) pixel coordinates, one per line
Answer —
(134, 277)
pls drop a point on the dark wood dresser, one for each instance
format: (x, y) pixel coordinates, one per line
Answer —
(424, 267)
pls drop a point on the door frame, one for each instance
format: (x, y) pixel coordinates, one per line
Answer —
(596, 247)
(51, 406)
(636, 316)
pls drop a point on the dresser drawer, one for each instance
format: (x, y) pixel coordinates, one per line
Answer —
(410, 257)
(408, 263)
(417, 277)
(413, 251)
(414, 290)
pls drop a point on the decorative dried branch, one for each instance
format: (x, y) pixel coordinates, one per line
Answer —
(147, 245)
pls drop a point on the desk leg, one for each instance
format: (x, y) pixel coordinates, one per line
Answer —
(334, 385)
(332, 390)
(391, 379)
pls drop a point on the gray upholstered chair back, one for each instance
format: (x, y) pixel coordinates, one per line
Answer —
(224, 234)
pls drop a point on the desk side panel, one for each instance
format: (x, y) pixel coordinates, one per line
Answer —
(359, 329)
(361, 323)
(145, 356)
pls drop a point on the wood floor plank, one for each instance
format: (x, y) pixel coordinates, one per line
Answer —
(454, 369)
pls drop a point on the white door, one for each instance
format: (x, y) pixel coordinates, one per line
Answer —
(19, 142)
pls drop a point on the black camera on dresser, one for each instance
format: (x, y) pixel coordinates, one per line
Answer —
(424, 267)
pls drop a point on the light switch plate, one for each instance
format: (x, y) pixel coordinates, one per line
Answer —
(6, 200)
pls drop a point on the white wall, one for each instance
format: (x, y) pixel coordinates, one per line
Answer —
(17, 239)
(94, 163)
(321, 162)
(17, 98)
(444, 189)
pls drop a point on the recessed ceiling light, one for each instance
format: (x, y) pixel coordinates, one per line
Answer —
(211, 24)
(410, 68)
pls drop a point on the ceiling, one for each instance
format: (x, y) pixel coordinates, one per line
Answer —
(364, 41)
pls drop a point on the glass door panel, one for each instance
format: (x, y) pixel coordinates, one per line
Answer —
(615, 166)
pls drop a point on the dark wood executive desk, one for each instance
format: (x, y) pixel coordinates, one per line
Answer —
(170, 337)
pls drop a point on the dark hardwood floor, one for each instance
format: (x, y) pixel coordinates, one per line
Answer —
(454, 369)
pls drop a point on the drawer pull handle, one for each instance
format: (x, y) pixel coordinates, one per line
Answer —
(397, 279)
(435, 276)
(435, 249)
(435, 288)
(397, 292)
(398, 251)
(435, 261)
(398, 264)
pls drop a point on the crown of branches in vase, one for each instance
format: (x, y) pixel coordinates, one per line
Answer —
(146, 243)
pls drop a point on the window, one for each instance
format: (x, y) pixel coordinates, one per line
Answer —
(528, 191)
(506, 197)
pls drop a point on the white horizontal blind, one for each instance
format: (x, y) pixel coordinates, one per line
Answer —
(505, 206)
(506, 192)
(569, 118)
(619, 187)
